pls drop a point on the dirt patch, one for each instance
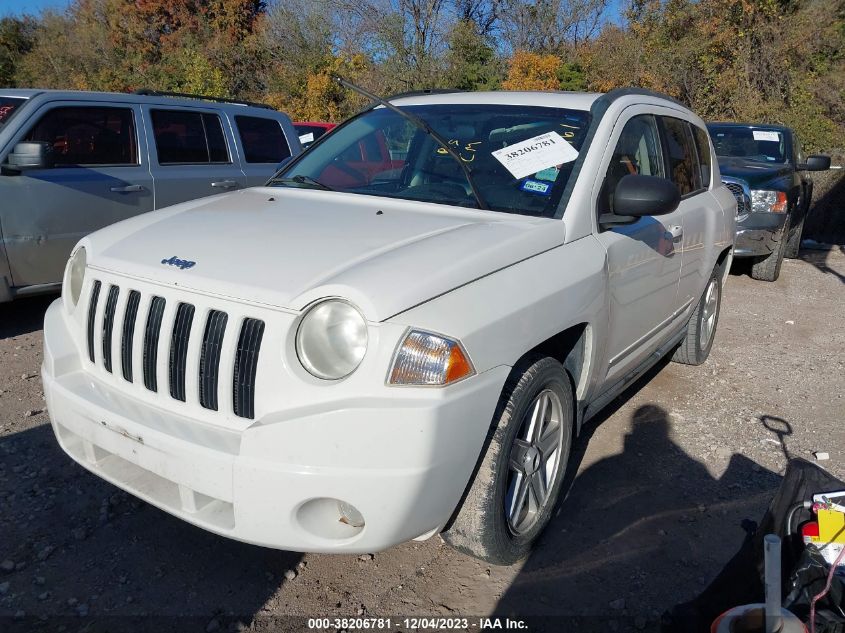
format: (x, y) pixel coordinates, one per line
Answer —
(661, 486)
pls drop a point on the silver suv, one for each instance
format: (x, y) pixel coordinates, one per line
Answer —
(74, 162)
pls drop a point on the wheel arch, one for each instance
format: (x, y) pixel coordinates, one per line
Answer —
(723, 263)
(571, 347)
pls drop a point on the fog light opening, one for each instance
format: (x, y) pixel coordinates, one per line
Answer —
(349, 515)
(331, 519)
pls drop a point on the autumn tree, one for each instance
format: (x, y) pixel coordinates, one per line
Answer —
(532, 71)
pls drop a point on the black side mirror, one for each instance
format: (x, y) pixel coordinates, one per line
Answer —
(816, 162)
(34, 155)
(636, 196)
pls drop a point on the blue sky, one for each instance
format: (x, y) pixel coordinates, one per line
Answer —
(19, 7)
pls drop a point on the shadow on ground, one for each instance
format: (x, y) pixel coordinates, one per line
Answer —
(87, 552)
(639, 531)
(76, 553)
(23, 315)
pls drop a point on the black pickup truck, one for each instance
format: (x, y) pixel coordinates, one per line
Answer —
(764, 167)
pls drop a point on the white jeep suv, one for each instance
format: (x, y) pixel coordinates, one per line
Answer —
(367, 351)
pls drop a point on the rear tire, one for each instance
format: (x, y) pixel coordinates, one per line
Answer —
(516, 487)
(768, 268)
(701, 329)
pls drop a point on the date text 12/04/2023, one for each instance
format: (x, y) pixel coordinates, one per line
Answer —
(416, 623)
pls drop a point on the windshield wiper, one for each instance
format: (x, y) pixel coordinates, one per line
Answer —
(303, 180)
(425, 127)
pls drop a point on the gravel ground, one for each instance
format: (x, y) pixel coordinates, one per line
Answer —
(661, 486)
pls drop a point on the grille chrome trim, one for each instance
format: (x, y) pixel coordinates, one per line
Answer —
(108, 326)
(126, 341)
(92, 315)
(246, 363)
(209, 371)
(151, 335)
(742, 193)
(179, 349)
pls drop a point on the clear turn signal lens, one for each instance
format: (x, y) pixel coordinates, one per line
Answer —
(427, 359)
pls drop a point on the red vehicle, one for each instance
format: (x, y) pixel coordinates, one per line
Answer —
(310, 131)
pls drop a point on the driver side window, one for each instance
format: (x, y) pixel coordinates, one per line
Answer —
(89, 136)
(638, 152)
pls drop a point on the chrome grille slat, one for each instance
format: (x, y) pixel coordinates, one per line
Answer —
(129, 333)
(108, 326)
(209, 371)
(92, 315)
(151, 335)
(179, 349)
(246, 363)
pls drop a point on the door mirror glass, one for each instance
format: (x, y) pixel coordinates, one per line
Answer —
(31, 155)
(637, 196)
(816, 162)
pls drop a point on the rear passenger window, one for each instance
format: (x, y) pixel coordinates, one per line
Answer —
(88, 136)
(184, 137)
(262, 139)
(702, 142)
(682, 158)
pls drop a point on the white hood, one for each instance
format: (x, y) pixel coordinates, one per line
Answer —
(287, 247)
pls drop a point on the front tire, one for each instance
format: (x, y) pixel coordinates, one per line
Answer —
(518, 481)
(768, 268)
(701, 329)
(793, 244)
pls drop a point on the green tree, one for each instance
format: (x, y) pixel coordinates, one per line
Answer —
(16, 39)
(471, 62)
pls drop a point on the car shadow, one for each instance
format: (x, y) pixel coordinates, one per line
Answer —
(639, 531)
(24, 316)
(87, 556)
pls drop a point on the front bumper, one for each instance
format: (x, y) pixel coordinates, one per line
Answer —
(758, 234)
(402, 459)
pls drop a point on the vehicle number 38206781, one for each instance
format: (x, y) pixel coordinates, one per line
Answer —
(530, 148)
(415, 623)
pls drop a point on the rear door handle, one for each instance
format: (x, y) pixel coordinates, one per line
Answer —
(127, 189)
(225, 184)
(675, 231)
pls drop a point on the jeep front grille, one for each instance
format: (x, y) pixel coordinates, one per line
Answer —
(151, 343)
(246, 362)
(179, 349)
(92, 314)
(177, 331)
(129, 333)
(108, 326)
(212, 342)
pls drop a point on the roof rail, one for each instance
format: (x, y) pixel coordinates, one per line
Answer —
(149, 92)
(617, 93)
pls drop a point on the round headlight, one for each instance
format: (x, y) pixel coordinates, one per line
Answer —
(76, 275)
(332, 339)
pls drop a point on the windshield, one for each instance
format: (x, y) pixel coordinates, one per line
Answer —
(380, 153)
(766, 145)
(7, 106)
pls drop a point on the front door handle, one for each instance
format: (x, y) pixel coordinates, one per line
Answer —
(675, 231)
(225, 184)
(127, 189)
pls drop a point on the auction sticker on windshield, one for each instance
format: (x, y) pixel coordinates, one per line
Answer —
(535, 154)
(765, 135)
